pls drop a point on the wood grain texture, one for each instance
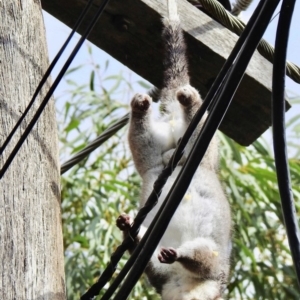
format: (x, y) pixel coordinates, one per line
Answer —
(31, 248)
(130, 31)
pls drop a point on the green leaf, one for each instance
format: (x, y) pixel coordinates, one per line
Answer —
(106, 65)
(72, 70)
(92, 78)
(72, 125)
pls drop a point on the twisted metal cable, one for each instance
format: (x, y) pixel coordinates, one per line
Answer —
(237, 26)
(104, 136)
(239, 6)
(279, 138)
(226, 4)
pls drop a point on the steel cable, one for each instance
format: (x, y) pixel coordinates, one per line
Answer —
(239, 6)
(234, 24)
(104, 136)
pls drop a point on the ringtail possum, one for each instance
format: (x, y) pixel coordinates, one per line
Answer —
(191, 261)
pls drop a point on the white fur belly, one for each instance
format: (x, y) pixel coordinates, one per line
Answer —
(164, 136)
(170, 129)
(187, 288)
(190, 219)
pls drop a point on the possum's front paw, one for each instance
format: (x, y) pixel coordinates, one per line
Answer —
(187, 95)
(140, 102)
(124, 222)
(167, 255)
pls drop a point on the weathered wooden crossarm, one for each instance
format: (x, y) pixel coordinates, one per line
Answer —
(130, 31)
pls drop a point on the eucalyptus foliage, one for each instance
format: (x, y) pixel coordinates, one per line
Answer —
(105, 184)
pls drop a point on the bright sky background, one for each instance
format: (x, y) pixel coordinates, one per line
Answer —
(294, 39)
(57, 33)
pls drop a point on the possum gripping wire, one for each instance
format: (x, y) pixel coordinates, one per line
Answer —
(138, 221)
(158, 185)
(239, 6)
(46, 75)
(129, 240)
(279, 138)
(214, 118)
(52, 88)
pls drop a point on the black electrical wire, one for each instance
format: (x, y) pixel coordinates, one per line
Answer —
(279, 138)
(152, 200)
(52, 88)
(46, 75)
(104, 136)
(215, 117)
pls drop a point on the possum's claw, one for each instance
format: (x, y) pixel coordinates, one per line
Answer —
(187, 95)
(141, 102)
(124, 222)
(167, 255)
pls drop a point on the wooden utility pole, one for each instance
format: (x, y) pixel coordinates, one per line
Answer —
(31, 248)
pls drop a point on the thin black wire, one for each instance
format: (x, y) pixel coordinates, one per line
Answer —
(158, 185)
(52, 88)
(104, 136)
(215, 117)
(46, 75)
(279, 138)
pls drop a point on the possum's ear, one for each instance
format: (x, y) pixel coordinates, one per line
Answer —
(155, 94)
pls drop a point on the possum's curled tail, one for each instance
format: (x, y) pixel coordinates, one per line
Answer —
(175, 62)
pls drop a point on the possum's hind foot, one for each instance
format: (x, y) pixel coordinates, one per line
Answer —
(124, 222)
(167, 255)
(141, 103)
(187, 95)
